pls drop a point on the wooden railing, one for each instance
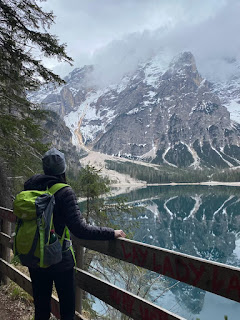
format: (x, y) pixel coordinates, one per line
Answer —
(211, 276)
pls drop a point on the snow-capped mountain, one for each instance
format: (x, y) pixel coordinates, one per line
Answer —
(163, 113)
(229, 91)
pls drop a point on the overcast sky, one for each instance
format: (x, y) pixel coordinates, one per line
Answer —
(118, 34)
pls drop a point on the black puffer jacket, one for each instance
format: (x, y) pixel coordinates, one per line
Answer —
(66, 213)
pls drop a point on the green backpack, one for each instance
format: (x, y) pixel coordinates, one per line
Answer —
(35, 243)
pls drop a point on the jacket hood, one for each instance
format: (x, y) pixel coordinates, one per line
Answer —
(41, 182)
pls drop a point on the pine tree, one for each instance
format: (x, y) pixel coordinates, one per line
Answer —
(91, 185)
(23, 30)
(103, 210)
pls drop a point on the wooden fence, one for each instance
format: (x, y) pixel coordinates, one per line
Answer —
(211, 276)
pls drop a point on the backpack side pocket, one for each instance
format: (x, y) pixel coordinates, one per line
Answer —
(52, 253)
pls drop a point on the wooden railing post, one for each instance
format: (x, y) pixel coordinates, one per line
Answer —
(5, 251)
(1, 252)
(218, 278)
(79, 251)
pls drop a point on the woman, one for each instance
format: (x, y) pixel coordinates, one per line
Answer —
(66, 213)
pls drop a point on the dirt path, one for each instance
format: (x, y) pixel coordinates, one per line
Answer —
(14, 308)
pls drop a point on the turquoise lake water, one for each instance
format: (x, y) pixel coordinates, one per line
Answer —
(203, 221)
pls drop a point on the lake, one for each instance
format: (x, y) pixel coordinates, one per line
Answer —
(203, 221)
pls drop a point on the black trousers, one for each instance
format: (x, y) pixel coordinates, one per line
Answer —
(42, 283)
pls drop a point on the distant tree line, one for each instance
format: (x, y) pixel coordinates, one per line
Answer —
(167, 174)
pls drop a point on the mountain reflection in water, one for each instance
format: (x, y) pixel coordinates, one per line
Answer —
(203, 221)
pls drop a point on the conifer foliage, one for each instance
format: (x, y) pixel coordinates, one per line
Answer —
(24, 39)
(23, 31)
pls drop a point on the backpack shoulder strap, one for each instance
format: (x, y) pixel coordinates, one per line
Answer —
(56, 187)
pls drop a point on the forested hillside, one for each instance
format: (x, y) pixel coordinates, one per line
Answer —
(25, 132)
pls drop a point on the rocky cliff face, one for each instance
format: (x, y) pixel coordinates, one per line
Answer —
(57, 134)
(228, 90)
(160, 114)
(67, 98)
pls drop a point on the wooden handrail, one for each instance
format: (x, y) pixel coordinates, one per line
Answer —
(130, 304)
(126, 302)
(218, 278)
(25, 283)
(7, 214)
(214, 277)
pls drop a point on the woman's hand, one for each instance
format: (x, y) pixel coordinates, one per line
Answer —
(119, 234)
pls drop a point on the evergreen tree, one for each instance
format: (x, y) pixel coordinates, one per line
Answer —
(104, 210)
(100, 207)
(23, 32)
(91, 186)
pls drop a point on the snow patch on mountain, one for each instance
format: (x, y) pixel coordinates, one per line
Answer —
(154, 68)
(196, 159)
(153, 207)
(87, 113)
(228, 89)
(40, 95)
(119, 87)
(234, 108)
